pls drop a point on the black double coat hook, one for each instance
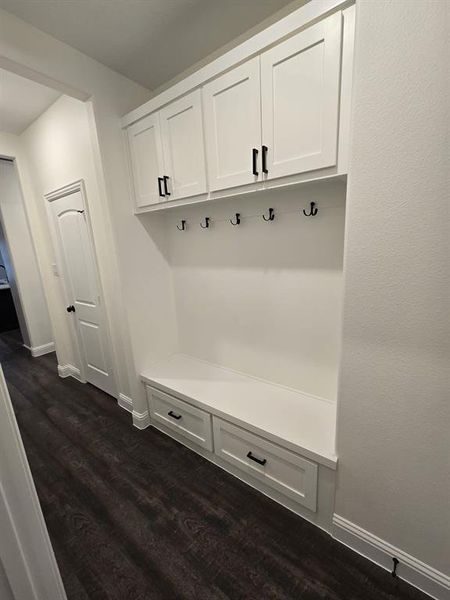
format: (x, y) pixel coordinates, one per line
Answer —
(271, 216)
(312, 210)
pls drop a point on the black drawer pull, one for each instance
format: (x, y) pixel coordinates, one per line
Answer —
(264, 159)
(173, 415)
(254, 161)
(166, 189)
(160, 181)
(260, 461)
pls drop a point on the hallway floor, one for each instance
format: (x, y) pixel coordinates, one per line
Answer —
(133, 515)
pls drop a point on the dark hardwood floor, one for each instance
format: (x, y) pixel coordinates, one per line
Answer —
(133, 515)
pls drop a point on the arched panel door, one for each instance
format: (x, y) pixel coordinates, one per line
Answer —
(83, 289)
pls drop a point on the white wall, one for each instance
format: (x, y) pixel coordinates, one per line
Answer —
(134, 302)
(22, 267)
(394, 409)
(264, 298)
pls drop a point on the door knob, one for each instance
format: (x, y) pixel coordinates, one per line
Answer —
(70, 308)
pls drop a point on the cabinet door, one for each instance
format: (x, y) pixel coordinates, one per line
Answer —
(146, 160)
(232, 105)
(300, 99)
(183, 146)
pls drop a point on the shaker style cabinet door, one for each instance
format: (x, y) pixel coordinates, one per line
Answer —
(232, 109)
(300, 99)
(147, 160)
(183, 147)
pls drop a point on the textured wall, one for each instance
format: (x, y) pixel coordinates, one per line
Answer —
(394, 415)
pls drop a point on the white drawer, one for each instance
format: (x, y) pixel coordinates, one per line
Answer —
(190, 422)
(278, 468)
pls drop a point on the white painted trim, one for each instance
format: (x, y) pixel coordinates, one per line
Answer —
(305, 15)
(141, 420)
(41, 350)
(64, 370)
(125, 402)
(66, 190)
(414, 571)
(70, 371)
(25, 548)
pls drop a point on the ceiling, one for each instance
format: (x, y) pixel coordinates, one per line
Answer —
(149, 41)
(22, 101)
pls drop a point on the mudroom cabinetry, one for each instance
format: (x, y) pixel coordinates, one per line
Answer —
(272, 119)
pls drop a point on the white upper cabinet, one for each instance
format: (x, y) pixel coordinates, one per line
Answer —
(146, 160)
(167, 152)
(300, 100)
(232, 109)
(183, 147)
(279, 117)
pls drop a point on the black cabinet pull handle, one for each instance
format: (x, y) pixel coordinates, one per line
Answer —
(160, 180)
(254, 161)
(70, 308)
(173, 415)
(260, 461)
(166, 189)
(264, 159)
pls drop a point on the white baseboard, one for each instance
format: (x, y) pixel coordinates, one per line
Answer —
(41, 350)
(70, 371)
(141, 420)
(410, 569)
(125, 402)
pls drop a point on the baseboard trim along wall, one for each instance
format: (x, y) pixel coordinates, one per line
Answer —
(41, 350)
(125, 402)
(70, 371)
(410, 569)
(141, 420)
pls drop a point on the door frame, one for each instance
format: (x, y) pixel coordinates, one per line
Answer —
(62, 192)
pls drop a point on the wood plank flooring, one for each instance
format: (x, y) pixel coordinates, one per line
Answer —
(133, 515)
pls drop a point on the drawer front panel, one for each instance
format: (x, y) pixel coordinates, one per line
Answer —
(281, 469)
(188, 421)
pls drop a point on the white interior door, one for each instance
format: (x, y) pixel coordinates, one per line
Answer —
(183, 147)
(80, 274)
(232, 108)
(147, 160)
(300, 99)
